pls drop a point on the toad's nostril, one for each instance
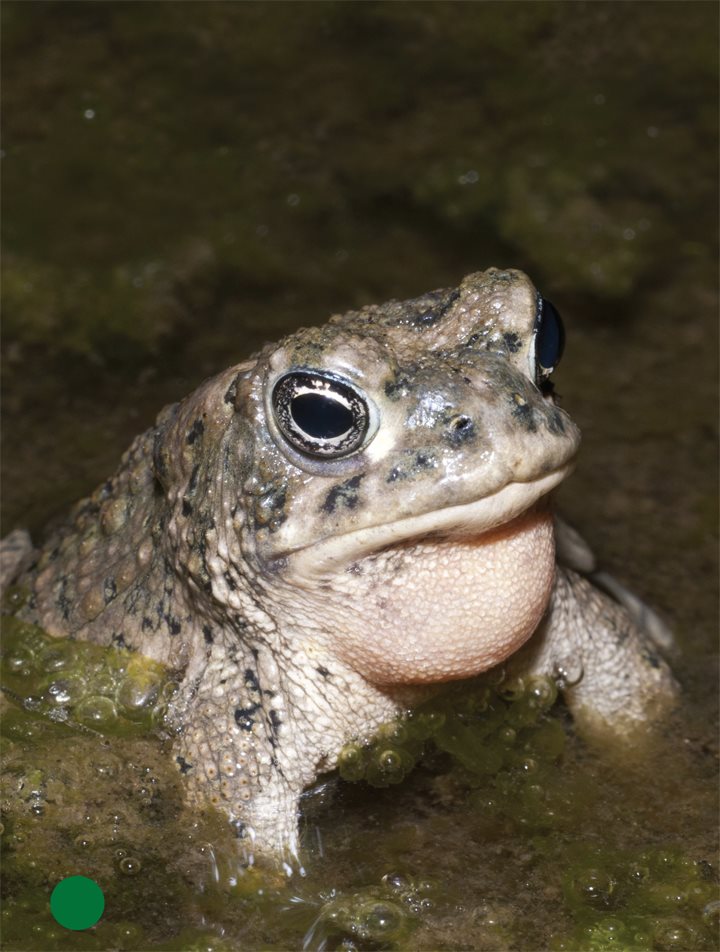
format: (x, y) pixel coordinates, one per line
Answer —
(460, 429)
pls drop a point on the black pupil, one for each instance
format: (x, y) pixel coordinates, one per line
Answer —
(550, 339)
(320, 416)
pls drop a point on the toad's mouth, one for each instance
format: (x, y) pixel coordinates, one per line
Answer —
(322, 560)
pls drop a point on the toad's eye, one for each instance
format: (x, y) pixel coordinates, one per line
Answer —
(549, 339)
(319, 414)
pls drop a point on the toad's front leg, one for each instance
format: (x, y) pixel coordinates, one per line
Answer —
(257, 726)
(615, 681)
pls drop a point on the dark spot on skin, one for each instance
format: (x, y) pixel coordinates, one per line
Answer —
(232, 584)
(197, 430)
(432, 314)
(251, 680)
(323, 672)
(109, 589)
(343, 496)
(523, 412)
(420, 461)
(512, 342)
(275, 720)
(192, 485)
(244, 717)
(62, 599)
(174, 625)
(226, 459)
(396, 388)
(651, 658)
(207, 634)
(133, 600)
(118, 639)
(106, 490)
(185, 767)
(186, 508)
(159, 459)
(147, 624)
(555, 422)
(231, 393)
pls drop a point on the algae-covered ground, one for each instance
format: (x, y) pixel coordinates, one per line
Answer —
(183, 181)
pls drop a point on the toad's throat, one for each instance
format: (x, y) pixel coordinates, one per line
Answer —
(446, 608)
(323, 560)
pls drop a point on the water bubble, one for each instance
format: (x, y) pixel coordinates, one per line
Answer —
(104, 683)
(507, 736)
(594, 886)
(136, 696)
(512, 691)
(129, 866)
(672, 935)
(169, 690)
(568, 673)
(393, 733)
(96, 711)
(396, 882)
(379, 920)
(351, 762)
(60, 692)
(638, 873)
(19, 661)
(386, 767)
(542, 692)
(711, 913)
(56, 657)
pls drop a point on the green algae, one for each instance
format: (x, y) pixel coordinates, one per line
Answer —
(107, 689)
(506, 743)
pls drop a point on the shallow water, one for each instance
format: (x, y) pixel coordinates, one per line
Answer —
(185, 181)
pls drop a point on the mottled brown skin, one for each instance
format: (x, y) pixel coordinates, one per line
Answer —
(291, 593)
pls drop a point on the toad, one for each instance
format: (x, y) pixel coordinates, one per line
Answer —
(315, 535)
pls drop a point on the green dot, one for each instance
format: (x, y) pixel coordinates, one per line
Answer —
(77, 902)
